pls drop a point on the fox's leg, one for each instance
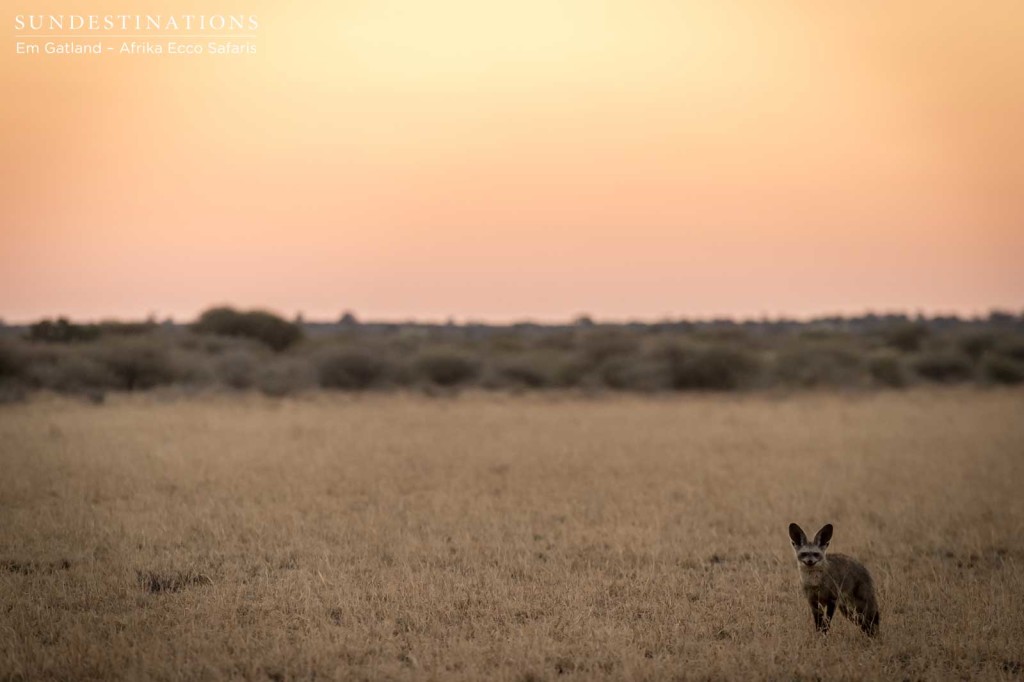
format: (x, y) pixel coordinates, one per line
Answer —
(869, 620)
(862, 609)
(820, 624)
(823, 612)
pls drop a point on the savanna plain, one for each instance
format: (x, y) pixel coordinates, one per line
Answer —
(505, 537)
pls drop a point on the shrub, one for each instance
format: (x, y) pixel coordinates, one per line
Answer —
(819, 364)
(446, 368)
(74, 373)
(12, 392)
(568, 372)
(237, 369)
(284, 377)
(1013, 349)
(220, 345)
(598, 345)
(505, 343)
(192, 369)
(887, 370)
(943, 366)
(137, 363)
(349, 370)
(905, 336)
(717, 368)
(267, 328)
(559, 340)
(1002, 370)
(625, 373)
(975, 345)
(12, 360)
(522, 373)
(727, 334)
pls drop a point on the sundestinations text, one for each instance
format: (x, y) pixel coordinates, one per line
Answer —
(136, 22)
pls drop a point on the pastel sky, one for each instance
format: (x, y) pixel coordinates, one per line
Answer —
(531, 159)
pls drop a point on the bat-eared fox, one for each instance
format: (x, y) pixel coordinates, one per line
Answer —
(835, 580)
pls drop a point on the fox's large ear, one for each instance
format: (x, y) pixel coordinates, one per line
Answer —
(797, 535)
(824, 536)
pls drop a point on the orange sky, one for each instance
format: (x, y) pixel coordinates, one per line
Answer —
(530, 159)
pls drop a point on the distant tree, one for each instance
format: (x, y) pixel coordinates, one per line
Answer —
(348, 319)
(62, 330)
(1000, 317)
(584, 321)
(263, 326)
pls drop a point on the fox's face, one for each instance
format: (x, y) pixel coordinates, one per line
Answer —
(810, 554)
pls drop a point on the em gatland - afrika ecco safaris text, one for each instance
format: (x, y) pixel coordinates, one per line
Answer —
(136, 34)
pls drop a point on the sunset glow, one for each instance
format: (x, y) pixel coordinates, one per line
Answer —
(528, 160)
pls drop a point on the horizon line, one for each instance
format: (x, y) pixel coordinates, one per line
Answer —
(572, 320)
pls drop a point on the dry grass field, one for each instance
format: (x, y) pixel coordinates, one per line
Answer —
(507, 538)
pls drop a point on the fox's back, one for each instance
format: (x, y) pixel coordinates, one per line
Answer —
(844, 576)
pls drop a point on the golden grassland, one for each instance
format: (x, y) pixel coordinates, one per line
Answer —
(508, 538)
